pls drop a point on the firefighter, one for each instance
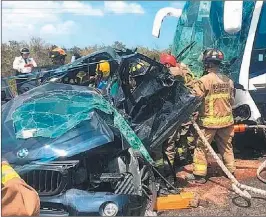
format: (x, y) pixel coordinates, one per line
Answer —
(137, 69)
(178, 69)
(57, 55)
(165, 155)
(182, 137)
(103, 70)
(185, 137)
(18, 198)
(98, 79)
(215, 115)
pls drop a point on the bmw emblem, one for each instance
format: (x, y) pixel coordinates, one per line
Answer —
(22, 153)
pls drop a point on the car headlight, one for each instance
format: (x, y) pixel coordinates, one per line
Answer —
(109, 209)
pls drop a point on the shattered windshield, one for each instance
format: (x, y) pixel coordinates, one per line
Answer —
(54, 113)
(202, 22)
(54, 109)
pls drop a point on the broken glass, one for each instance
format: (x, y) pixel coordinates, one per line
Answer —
(76, 118)
(202, 22)
(52, 110)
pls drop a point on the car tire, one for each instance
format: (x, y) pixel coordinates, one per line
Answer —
(149, 188)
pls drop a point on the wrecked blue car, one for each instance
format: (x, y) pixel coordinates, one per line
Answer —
(88, 151)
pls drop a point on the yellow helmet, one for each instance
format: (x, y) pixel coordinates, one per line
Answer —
(137, 69)
(104, 68)
(137, 66)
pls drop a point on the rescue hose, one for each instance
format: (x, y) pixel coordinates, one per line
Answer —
(259, 170)
(240, 189)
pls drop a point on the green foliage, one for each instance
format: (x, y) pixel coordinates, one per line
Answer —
(39, 51)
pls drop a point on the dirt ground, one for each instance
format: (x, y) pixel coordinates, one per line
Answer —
(217, 197)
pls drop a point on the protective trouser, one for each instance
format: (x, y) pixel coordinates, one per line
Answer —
(185, 141)
(223, 138)
(168, 148)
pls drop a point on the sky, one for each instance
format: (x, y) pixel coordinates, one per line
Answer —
(84, 23)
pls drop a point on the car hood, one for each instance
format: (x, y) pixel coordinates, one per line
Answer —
(59, 120)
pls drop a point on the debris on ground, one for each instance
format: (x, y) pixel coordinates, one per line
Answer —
(216, 196)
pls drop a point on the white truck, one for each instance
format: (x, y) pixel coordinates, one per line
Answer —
(239, 30)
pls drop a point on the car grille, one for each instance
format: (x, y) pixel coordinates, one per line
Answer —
(45, 182)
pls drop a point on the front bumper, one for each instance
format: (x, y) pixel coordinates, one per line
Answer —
(76, 202)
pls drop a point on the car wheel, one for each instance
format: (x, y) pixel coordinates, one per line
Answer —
(148, 186)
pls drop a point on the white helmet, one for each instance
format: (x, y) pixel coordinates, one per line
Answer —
(24, 50)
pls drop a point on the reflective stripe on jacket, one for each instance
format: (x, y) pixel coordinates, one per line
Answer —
(18, 198)
(8, 173)
(217, 91)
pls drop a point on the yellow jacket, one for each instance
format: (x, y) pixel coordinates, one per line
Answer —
(18, 198)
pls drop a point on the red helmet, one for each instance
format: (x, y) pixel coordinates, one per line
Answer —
(168, 59)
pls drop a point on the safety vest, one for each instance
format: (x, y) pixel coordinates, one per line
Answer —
(216, 110)
(8, 173)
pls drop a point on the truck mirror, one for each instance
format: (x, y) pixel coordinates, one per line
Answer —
(160, 15)
(233, 16)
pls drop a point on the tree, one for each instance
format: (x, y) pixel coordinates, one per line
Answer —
(119, 45)
(39, 51)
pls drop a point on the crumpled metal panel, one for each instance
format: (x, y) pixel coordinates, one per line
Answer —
(158, 106)
(57, 119)
(53, 114)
